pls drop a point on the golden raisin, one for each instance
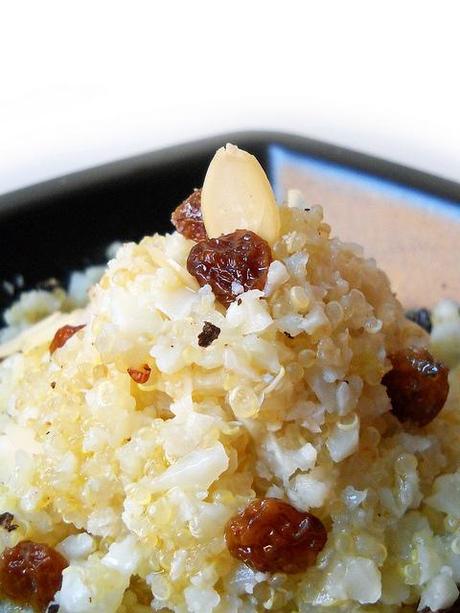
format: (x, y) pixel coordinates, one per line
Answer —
(31, 573)
(231, 264)
(140, 375)
(271, 536)
(62, 336)
(416, 385)
(187, 218)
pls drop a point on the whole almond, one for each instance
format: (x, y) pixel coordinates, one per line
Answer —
(237, 195)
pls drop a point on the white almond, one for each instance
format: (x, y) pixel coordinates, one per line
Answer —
(237, 196)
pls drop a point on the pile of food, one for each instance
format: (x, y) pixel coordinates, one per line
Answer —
(242, 418)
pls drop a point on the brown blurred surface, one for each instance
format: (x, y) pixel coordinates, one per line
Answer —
(418, 249)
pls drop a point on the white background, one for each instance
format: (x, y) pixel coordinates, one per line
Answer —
(86, 82)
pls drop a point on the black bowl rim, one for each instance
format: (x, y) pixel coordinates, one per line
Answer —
(258, 141)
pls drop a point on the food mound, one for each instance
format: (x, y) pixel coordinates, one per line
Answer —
(242, 418)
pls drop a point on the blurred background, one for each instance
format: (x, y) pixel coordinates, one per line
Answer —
(84, 83)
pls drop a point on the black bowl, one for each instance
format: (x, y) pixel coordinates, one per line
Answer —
(52, 228)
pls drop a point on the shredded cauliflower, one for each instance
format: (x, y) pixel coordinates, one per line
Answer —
(134, 483)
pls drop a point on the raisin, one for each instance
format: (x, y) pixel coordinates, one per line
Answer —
(231, 264)
(6, 522)
(140, 375)
(31, 573)
(271, 536)
(62, 336)
(209, 334)
(416, 385)
(422, 317)
(187, 218)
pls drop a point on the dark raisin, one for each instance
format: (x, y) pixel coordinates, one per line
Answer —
(209, 334)
(287, 334)
(53, 608)
(62, 336)
(232, 262)
(140, 375)
(417, 386)
(187, 218)
(6, 522)
(422, 317)
(31, 573)
(271, 536)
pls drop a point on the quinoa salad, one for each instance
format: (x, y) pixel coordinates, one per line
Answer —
(238, 416)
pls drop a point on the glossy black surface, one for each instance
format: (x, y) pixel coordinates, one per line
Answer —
(51, 228)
